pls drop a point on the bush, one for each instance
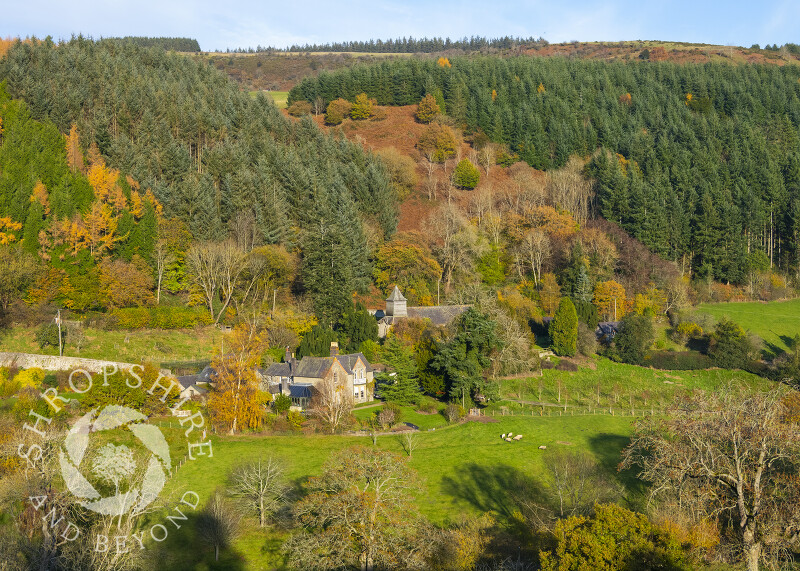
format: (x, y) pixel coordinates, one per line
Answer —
(633, 339)
(569, 366)
(299, 108)
(47, 335)
(454, 412)
(282, 403)
(295, 420)
(427, 405)
(438, 141)
(729, 347)
(678, 361)
(389, 415)
(337, 110)
(466, 175)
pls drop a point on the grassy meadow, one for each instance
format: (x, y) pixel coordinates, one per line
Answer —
(776, 322)
(154, 345)
(463, 468)
(279, 97)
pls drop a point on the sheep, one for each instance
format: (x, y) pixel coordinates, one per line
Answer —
(503, 436)
(517, 437)
(542, 447)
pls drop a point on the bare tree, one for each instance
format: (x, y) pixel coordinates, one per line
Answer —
(409, 441)
(536, 249)
(163, 257)
(456, 241)
(218, 523)
(731, 456)
(359, 513)
(261, 485)
(570, 190)
(331, 403)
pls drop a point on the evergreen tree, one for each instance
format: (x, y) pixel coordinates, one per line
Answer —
(466, 175)
(564, 329)
(317, 342)
(634, 338)
(401, 385)
(356, 326)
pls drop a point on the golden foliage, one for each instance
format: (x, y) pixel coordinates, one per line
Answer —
(40, 195)
(443, 62)
(125, 284)
(494, 95)
(541, 88)
(5, 44)
(609, 297)
(549, 294)
(626, 99)
(7, 227)
(99, 226)
(236, 403)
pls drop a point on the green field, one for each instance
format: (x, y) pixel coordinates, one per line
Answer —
(463, 468)
(279, 97)
(136, 346)
(776, 322)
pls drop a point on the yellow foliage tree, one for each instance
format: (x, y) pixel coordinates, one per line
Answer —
(40, 195)
(444, 62)
(100, 224)
(541, 88)
(549, 294)
(609, 298)
(7, 229)
(236, 403)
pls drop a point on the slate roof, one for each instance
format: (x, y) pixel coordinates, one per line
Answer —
(396, 295)
(607, 329)
(313, 367)
(438, 314)
(300, 391)
(349, 361)
(278, 370)
(187, 381)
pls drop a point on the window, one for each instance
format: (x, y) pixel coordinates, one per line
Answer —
(362, 394)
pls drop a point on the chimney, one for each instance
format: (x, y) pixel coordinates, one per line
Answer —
(287, 357)
(334, 348)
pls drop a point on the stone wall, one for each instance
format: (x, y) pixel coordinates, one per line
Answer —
(56, 363)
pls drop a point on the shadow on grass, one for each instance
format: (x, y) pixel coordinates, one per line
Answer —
(607, 450)
(185, 550)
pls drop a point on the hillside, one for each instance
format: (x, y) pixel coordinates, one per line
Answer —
(282, 70)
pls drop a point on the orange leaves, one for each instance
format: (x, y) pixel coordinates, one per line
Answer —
(100, 225)
(689, 97)
(124, 284)
(5, 45)
(40, 195)
(137, 205)
(609, 297)
(7, 228)
(626, 99)
(443, 62)
(71, 232)
(494, 95)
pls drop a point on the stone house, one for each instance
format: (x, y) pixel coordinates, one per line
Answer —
(352, 374)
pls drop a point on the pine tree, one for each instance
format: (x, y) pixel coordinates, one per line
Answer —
(564, 329)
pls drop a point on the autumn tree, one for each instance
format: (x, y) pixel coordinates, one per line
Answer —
(401, 169)
(437, 143)
(358, 513)
(99, 228)
(456, 242)
(125, 284)
(362, 108)
(337, 110)
(549, 294)
(216, 269)
(20, 271)
(74, 153)
(533, 251)
(261, 486)
(427, 109)
(235, 402)
(564, 329)
(609, 298)
(728, 456)
(409, 266)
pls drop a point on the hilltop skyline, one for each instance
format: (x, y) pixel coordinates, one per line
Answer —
(247, 23)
